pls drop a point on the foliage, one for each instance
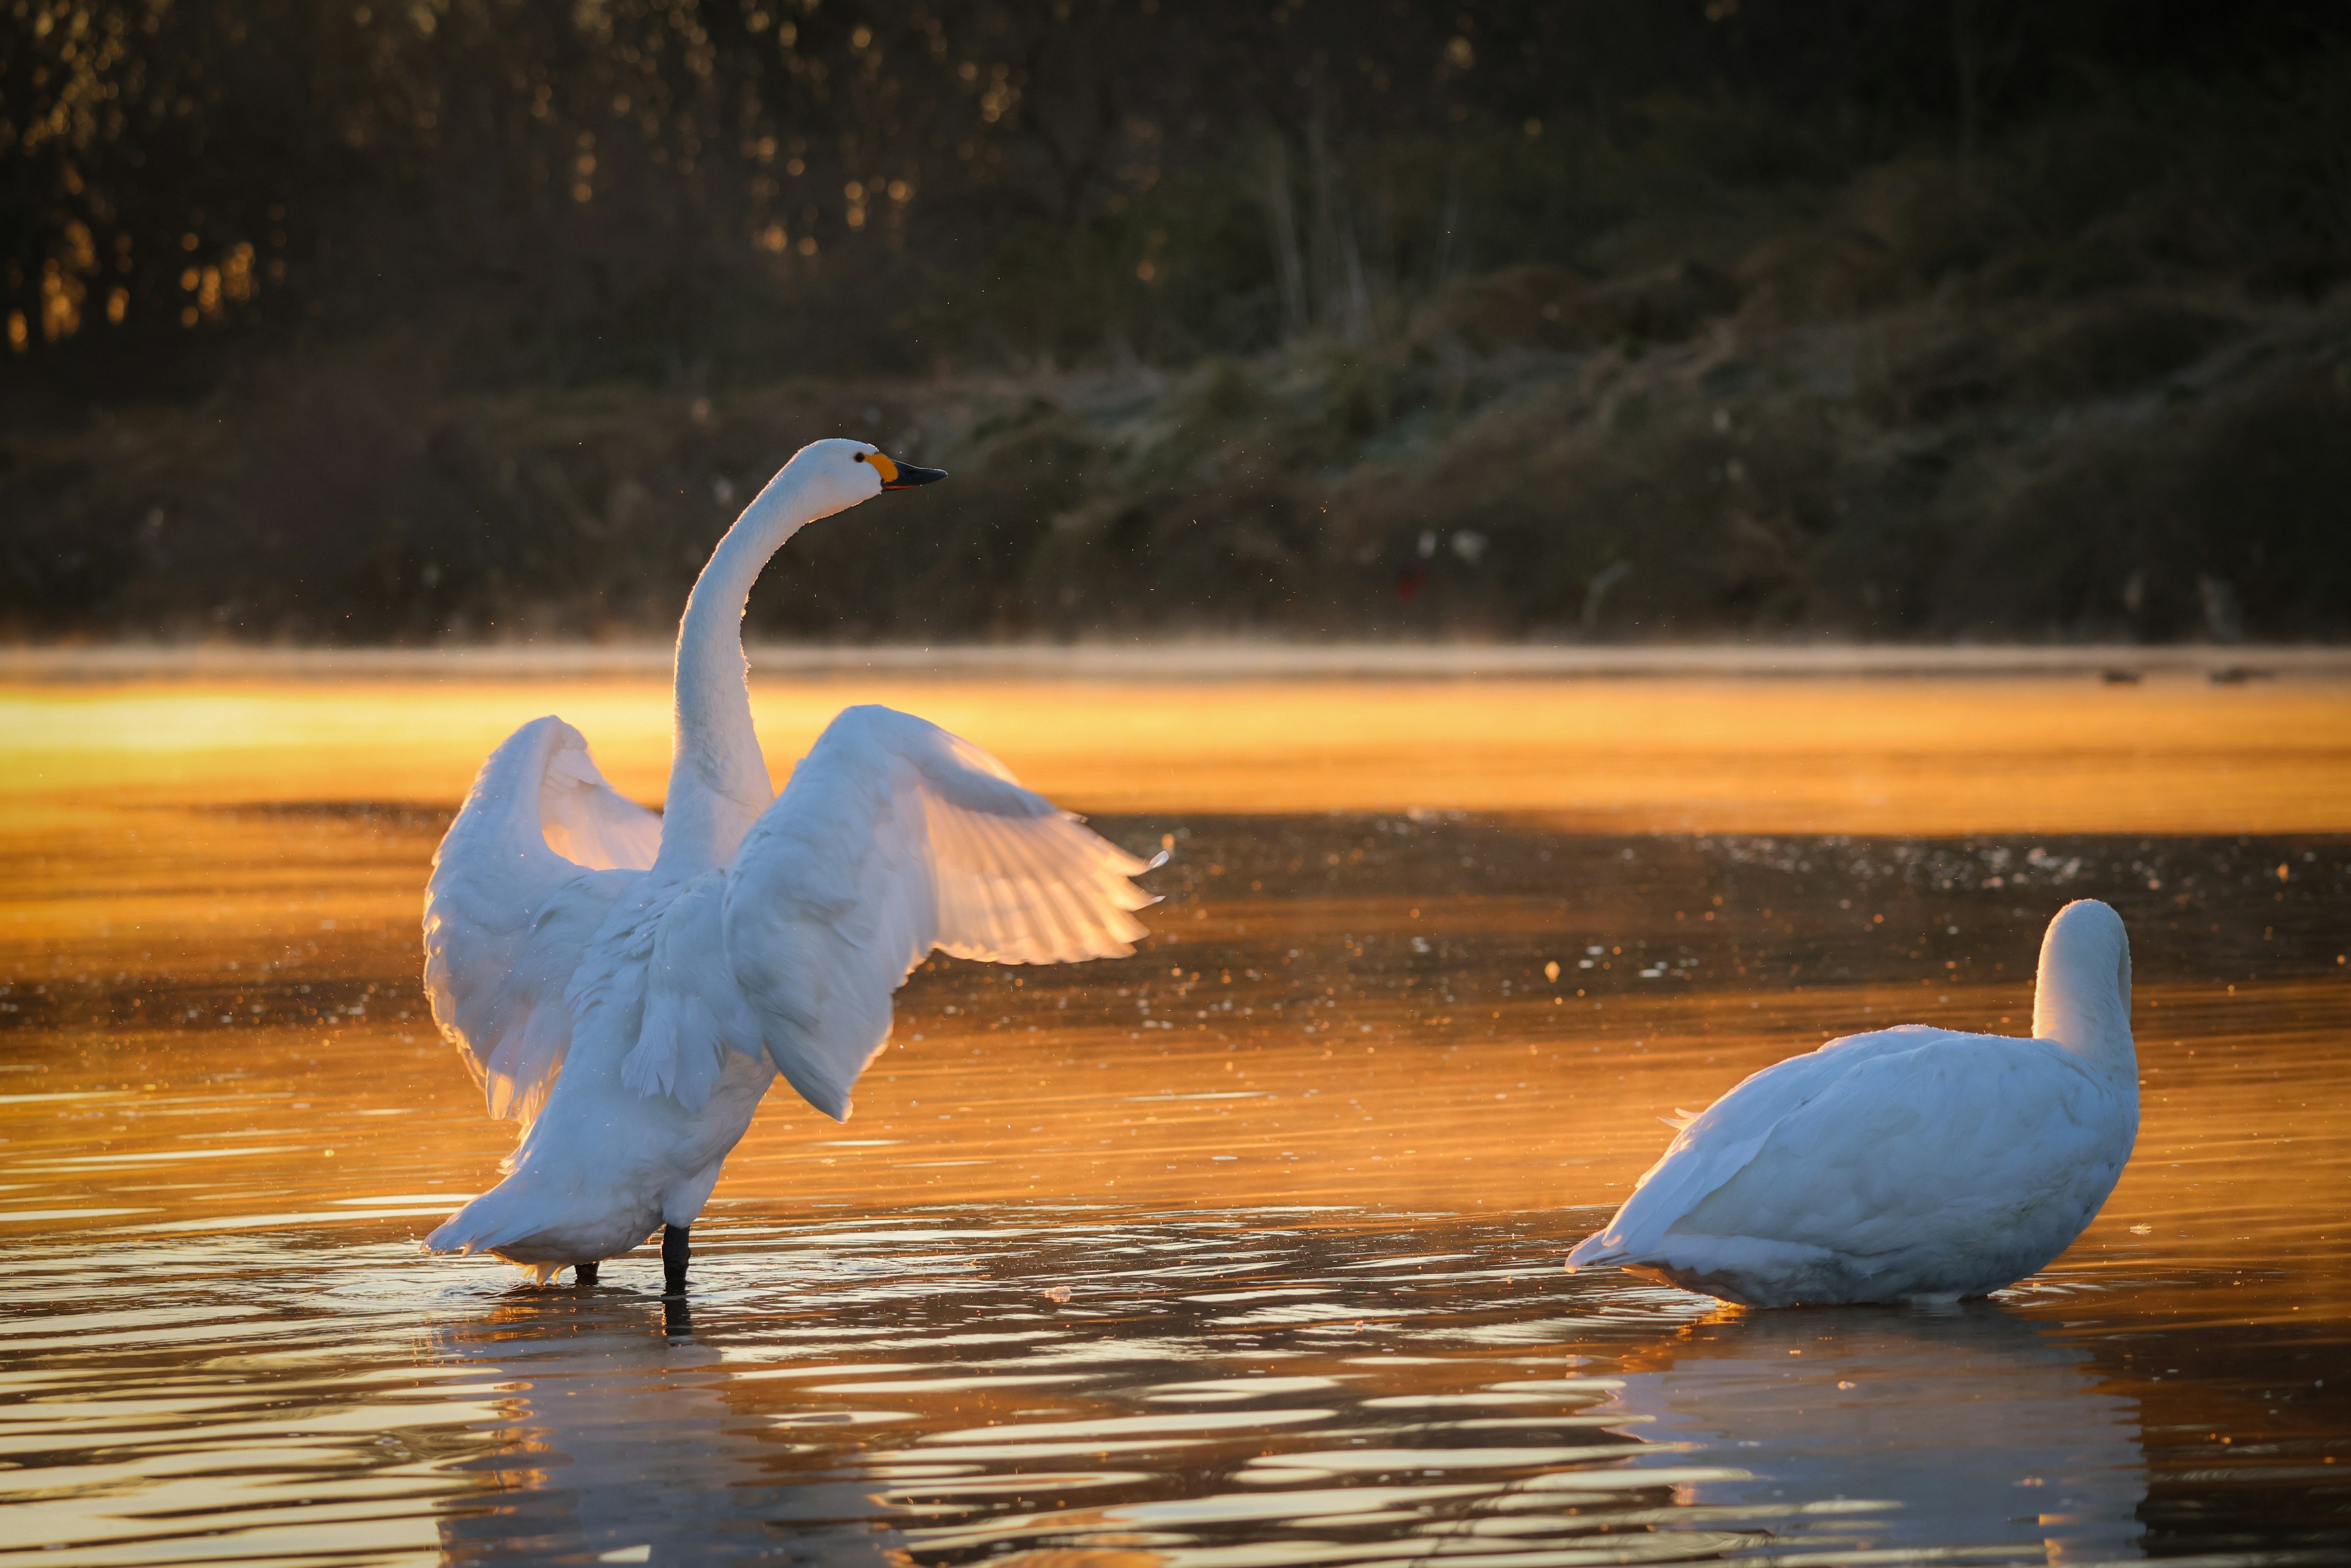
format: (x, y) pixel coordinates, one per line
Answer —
(453, 316)
(658, 188)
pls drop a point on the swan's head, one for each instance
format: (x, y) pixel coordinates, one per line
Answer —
(835, 474)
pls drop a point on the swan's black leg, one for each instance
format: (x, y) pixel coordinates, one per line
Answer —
(584, 1275)
(674, 1252)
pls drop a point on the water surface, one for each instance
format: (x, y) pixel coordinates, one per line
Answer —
(1244, 1251)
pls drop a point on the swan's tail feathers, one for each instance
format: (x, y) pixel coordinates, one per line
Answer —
(1680, 1119)
(1601, 1250)
(489, 1222)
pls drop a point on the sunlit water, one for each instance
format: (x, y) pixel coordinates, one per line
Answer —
(1244, 1251)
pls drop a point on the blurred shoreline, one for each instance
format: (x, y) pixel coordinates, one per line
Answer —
(1189, 661)
(1505, 325)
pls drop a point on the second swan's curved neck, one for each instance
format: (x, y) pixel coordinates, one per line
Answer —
(2082, 993)
(718, 778)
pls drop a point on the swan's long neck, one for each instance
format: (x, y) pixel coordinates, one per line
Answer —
(717, 779)
(2082, 995)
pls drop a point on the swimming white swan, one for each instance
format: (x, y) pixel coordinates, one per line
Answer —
(627, 985)
(1909, 1164)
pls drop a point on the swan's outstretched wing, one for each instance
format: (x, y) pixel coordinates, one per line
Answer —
(895, 838)
(537, 854)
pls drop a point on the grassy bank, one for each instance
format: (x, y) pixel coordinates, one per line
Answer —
(1723, 352)
(2141, 464)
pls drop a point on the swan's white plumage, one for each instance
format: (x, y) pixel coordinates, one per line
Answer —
(507, 913)
(1907, 1164)
(892, 838)
(627, 985)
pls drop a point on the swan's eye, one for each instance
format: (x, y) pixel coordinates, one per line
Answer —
(857, 458)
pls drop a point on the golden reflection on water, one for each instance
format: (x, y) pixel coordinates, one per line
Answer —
(1247, 1244)
(2003, 1388)
(2028, 754)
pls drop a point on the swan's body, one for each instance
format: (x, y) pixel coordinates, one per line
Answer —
(627, 985)
(1910, 1164)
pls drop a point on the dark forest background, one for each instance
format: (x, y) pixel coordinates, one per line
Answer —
(479, 319)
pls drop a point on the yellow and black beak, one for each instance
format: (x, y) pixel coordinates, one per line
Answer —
(898, 476)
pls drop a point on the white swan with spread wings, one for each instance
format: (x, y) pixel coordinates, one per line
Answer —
(627, 985)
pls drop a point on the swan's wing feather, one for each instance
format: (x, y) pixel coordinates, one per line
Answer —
(589, 822)
(1716, 1144)
(892, 838)
(507, 914)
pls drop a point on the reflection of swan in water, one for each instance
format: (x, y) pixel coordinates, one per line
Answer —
(1967, 1427)
(621, 1434)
